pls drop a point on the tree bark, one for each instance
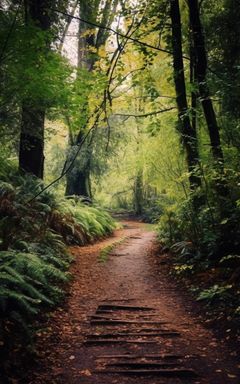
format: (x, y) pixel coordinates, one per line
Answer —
(79, 184)
(31, 146)
(31, 157)
(138, 193)
(188, 132)
(230, 45)
(201, 71)
(194, 95)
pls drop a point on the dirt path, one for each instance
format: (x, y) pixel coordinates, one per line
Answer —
(125, 322)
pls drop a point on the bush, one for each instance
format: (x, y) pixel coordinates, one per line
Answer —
(204, 237)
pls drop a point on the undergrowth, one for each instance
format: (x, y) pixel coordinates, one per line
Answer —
(204, 239)
(33, 258)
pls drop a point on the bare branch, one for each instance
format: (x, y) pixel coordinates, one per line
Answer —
(145, 114)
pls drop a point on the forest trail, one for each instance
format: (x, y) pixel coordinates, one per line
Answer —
(126, 321)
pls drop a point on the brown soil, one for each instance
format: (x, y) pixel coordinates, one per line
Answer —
(126, 321)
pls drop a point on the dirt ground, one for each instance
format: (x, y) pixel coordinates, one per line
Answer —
(126, 321)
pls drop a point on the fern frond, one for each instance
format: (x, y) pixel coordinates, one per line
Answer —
(18, 300)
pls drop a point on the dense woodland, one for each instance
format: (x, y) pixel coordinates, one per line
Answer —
(121, 106)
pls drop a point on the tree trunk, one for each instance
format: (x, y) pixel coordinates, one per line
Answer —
(78, 179)
(193, 82)
(78, 184)
(138, 194)
(188, 132)
(231, 58)
(31, 157)
(31, 146)
(86, 39)
(201, 70)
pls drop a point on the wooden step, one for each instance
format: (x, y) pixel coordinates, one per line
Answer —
(125, 322)
(118, 341)
(181, 373)
(138, 365)
(147, 356)
(138, 334)
(123, 307)
(112, 312)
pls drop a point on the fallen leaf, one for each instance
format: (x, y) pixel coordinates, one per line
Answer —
(86, 372)
(231, 376)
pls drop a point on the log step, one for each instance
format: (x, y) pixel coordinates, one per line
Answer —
(100, 317)
(125, 322)
(117, 341)
(112, 312)
(181, 373)
(150, 364)
(123, 307)
(111, 317)
(139, 334)
(147, 356)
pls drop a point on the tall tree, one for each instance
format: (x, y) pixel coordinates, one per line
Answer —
(90, 40)
(31, 147)
(201, 76)
(187, 130)
(222, 39)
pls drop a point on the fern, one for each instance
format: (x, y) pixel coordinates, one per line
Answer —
(32, 275)
(10, 277)
(32, 272)
(6, 188)
(94, 221)
(10, 298)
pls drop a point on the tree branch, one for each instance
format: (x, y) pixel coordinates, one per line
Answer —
(10, 32)
(116, 33)
(145, 114)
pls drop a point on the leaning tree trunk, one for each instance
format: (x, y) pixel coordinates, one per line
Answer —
(187, 130)
(31, 146)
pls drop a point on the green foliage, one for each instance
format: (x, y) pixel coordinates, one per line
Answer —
(183, 248)
(215, 292)
(33, 257)
(208, 222)
(40, 75)
(153, 207)
(93, 221)
(230, 261)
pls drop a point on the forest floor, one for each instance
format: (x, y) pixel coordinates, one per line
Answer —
(126, 320)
